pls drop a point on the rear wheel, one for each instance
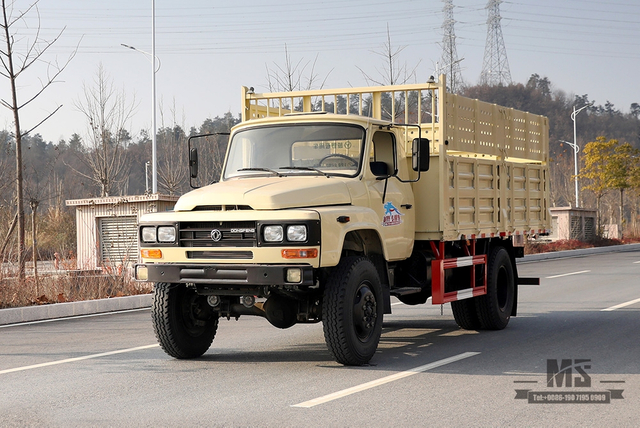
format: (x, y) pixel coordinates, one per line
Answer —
(494, 308)
(352, 311)
(184, 323)
(466, 314)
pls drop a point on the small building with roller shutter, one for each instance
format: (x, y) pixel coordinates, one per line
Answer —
(107, 228)
(573, 223)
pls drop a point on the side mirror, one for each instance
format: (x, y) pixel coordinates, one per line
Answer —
(193, 162)
(420, 154)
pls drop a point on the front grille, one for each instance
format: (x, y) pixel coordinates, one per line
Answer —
(218, 234)
(229, 255)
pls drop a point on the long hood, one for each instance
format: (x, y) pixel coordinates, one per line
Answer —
(269, 193)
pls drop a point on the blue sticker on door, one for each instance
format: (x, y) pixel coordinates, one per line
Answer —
(392, 216)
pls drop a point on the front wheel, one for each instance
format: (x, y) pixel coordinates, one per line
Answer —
(352, 311)
(184, 323)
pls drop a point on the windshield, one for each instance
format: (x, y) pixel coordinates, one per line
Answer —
(328, 149)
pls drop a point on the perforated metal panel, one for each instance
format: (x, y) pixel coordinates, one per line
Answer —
(589, 228)
(118, 240)
(576, 228)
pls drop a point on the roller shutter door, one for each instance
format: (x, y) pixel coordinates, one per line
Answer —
(118, 240)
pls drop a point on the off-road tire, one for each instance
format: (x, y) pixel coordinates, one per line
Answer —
(466, 314)
(494, 308)
(352, 311)
(184, 323)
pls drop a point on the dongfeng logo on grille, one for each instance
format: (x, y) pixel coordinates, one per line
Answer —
(216, 235)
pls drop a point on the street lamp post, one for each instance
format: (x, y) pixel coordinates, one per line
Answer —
(576, 149)
(154, 157)
(154, 154)
(154, 70)
(575, 146)
(146, 177)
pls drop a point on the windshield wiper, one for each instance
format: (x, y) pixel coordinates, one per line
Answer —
(306, 168)
(262, 169)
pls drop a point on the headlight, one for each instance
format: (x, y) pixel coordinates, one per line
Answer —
(149, 234)
(273, 233)
(297, 233)
(166, 234)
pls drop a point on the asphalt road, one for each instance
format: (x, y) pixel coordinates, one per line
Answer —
(107, 370)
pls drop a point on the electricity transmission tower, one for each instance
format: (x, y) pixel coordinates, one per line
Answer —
(449, 62)
(495, 66)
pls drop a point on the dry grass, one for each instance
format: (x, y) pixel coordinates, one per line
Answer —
(532, 247)
(59, 288)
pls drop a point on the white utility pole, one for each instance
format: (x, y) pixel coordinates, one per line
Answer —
(154, 70)
(575, 146)
(154, 153)
(576, 149)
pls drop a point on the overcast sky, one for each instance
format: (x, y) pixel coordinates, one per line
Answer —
(208, 49)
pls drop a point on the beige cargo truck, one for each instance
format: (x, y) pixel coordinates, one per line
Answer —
(330, 202)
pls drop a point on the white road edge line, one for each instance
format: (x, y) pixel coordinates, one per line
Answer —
(72, 360)
(567, 274)
(382, 381)
(75, 317)
(621, 305)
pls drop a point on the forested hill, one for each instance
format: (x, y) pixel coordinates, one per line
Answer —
(538, 96)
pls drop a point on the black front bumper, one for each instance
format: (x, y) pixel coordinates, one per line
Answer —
(228, 275)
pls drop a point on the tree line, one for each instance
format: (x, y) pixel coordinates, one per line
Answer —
(595, 126)
(73, 169)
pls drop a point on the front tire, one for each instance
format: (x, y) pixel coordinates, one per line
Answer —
(494, 308)
(184, 323)
(352, 311)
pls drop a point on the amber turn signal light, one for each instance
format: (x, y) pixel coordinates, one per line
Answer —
(309, 253)
(153, 253)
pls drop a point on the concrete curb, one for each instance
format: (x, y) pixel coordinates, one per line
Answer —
(579, 253)
(63, 310)
(89, 307)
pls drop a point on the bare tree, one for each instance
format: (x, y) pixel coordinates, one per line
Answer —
(172, 165)
(7, 198)
(393, 72)
(561, 175)
(37, 190)
(16, 56)
(107, 113)
(293, 76)
(290, 76)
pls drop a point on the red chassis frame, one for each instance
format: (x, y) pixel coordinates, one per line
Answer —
(440, 264)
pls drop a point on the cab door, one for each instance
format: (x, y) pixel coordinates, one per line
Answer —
(390, 199)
